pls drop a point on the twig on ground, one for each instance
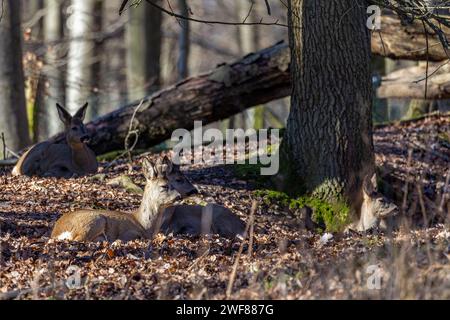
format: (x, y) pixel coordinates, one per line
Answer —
(238, 256)
(129, 149)
(4, 146)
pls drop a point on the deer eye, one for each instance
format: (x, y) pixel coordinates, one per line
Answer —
(165, 188)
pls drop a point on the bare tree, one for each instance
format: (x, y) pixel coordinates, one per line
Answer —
(51, 89)
(13, 119)
(143, 38)
(250, 42)
(81, 23)
(184, 42)
(112, 84)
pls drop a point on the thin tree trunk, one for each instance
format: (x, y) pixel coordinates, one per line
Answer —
(380, 106)
(113, 70)
(51, 89)
(32, 23)
(250, 38)
(143, 38)
(94, 98)
(327, 149)
(247, 39)
(31, 16)
(80, 57)
(13, 120)
(184, 42)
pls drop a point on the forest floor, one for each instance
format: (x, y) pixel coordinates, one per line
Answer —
(282, 260)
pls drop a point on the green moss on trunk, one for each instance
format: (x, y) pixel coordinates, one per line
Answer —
(334, 215)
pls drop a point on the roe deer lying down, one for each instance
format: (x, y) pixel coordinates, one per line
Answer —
(165, 184)
(62, 160)
(376, 210)
(98, 225)
(196, 220)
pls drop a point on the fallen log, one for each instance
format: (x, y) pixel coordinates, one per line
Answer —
(227, 90)
(408, 42)
(409, 83)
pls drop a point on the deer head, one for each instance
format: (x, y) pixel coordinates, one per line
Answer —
(159, 191)
(375, 206)
(179, 181)
(76, 133)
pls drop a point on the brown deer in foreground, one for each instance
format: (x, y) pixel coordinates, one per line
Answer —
(98, 225)
(165, 184)
(62, 160)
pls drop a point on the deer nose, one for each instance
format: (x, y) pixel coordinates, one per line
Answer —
(85, 138)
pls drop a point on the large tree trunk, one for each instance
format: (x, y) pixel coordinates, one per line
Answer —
(143, 38)
(219, 94)
(327, 149)
(13, 119)
(81, 51)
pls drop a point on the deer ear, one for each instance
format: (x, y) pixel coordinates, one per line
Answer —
(168, 164)
(65, 116)
(149, 170)
(81, 113)
(370, 184)
(175, 167)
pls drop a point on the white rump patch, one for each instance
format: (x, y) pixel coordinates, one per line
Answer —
(65, 236)
(15, 171)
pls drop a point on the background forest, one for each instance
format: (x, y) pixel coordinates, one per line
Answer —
(78, 51)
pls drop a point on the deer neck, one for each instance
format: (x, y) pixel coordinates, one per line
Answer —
(81, 157)
(147, 214)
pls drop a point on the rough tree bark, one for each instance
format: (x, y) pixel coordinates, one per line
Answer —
(143, 39)
(13, 119)
(327, 149)
(258, 78)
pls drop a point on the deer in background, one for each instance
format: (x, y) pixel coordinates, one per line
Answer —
(165, 184)
(376, 210)
(62, 160)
